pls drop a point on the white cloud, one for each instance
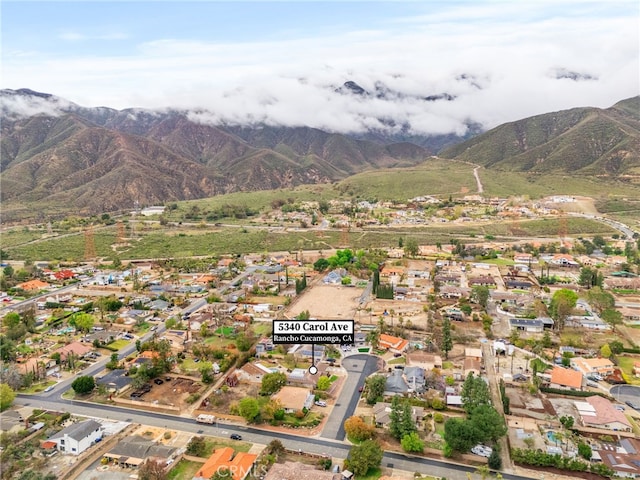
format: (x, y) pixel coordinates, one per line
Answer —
(508, 51)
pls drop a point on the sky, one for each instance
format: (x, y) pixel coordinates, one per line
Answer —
(281, 62)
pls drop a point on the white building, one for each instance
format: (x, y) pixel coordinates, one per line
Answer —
(78, 437)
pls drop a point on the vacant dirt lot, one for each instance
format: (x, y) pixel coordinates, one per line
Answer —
(173, 392)
(327, 301)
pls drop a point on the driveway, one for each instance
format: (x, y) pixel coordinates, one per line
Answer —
(358, 367)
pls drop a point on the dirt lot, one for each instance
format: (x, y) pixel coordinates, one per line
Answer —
(219, 402)
(173, 392)
(327, 301)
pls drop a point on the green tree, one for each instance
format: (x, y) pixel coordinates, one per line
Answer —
(197, 446)
(612, 316)
(321, 265)
(83, 384)
(412, 442)
(460, 434)
(562, 304)
(244, 342)
(7, 396)
(248, 408)
(411, 247)
(616, 347)
(495, 461)
(605, 351)
(272, 382)
(584, 450)
(324, 383)
(475, 392)
(600, 300)
(375, 388)
(364, 457)
(82, 321)
(480, 294)
(395, 418)
(447, 341)
(567, 421)
(488, 422)
(11, 320)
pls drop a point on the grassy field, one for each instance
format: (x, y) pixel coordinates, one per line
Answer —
(626, 365)
(184, 470)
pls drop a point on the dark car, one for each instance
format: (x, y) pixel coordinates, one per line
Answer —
(158, 381)
(235, 436)
(634, 405)
(360, 389)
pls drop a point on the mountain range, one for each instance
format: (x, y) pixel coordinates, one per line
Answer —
(58, 157)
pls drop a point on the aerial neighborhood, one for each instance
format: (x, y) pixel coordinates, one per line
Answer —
(508, 356)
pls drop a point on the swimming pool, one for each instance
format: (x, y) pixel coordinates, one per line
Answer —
(551, 436)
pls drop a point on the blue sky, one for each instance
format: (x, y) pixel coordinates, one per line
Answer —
(280, 62)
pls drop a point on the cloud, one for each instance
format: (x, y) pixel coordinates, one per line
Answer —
(22, 106)
(501, 61)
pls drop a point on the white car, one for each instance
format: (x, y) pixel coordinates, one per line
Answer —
(482, 450)
(49, 388)
(320, 403)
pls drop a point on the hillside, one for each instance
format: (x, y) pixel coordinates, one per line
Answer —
(92, 160)
(580, 141)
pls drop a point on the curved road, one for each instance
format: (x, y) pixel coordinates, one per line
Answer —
(329, 443)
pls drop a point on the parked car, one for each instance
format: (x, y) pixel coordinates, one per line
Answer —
(482, 450)
(235, 436)
(158, 381)
(320, 403)
(360, 388)
(49, 388)
(634, 405)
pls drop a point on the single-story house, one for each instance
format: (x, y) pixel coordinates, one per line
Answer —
(598, 412)
(239, 464)
(566, 379)
(294, 399)
(381, 411)
(425, 360)
(393, 344)
(133, 451)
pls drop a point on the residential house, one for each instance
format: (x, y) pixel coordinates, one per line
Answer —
(238, 463)
(471, 365)
(252, 372)
(76, 349)
(474, 353)
(425, 360)
(566, 379)
(32, 285)
(484, 281)
(392, 274)
(531, 325)
(451, 291)
(415, 378)
(598, 412)
(392, 344)
(623, 462)
(133, 451)
(396, 383)
(294, 399)
(76, 438)
(589, 366)
(525, 258)
(563, 260)
(381, 411)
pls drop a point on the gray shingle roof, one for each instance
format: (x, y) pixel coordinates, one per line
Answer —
(77, 431)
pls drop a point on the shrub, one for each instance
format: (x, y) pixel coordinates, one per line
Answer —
(438, 418)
